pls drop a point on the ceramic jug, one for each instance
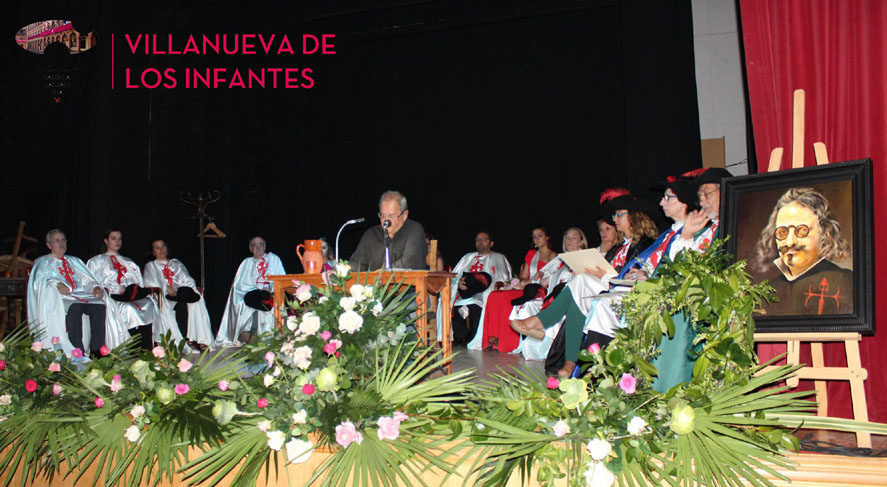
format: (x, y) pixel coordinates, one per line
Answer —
(311, 256)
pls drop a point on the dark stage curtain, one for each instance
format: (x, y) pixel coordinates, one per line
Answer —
(836, 52)
(487, 115)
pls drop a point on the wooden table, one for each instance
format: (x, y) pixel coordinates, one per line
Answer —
(425, 282)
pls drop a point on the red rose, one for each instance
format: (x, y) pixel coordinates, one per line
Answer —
(262, 403)
(308, 389)
(2, 365)
(30, 385)
(104, 351)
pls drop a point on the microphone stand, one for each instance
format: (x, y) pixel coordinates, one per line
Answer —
(387, 245)
(349, 222)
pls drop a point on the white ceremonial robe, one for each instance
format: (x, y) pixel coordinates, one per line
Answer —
(238, 317)
(47, 307)
(130, 314)
(494, 264)
(173, 274)
(555, 272)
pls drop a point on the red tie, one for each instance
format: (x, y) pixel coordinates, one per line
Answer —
(707, 240)
(656, 256)
(168, 274)
(619, 260)
(121, 270)
(262, 267)
(66, 271)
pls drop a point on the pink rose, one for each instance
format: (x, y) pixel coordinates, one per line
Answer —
(76, 353)
(325, 334)
(628, 383)
(346, 434)
(184, 366)
(308, 389)
(329, 348)
(399, 416)
(389, 429)
(55, 367)
(116, 384)
(553, 383)
(56, 389)
(223, 385)
(269, 359)
(182, 389)
(99, 402)
(104, 351)
(262, 403)
(37, 346)
(304, 288)
(30, 385)
(296, 283)
(336, 343)
(55, 340)
(594, 348)
(2, 364)
(158, 351)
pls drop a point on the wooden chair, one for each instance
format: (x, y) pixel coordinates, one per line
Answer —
(14, 269)
(431, 262)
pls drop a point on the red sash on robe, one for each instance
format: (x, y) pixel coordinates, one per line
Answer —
(120, 268)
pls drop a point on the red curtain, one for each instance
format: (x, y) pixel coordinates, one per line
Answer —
(836, 50)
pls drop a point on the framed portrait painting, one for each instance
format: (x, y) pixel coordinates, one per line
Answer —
(808, 232)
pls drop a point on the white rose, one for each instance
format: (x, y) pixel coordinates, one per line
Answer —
(276, 372)
(377, 308)
(301, 417)
(323, 299)
(5, 400)
(636, 426)
(301, 353)
(368, 292)
(268, 380)
(132, 433)
(298, 451)
(303, 364)
(2, 347)
(342, 269)
(357, 292)
(276, 439)
(310, 324)
(292, 323)
(304, 296)
(137, 411)
(347, 303)
(599, 449)
(350, 322)
(598, 475)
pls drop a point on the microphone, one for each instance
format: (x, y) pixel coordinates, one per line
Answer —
(386, 224)
(349, 222)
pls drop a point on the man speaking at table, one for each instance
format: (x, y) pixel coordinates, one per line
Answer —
(407, 248)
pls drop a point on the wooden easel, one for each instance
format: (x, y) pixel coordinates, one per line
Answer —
(853, 372)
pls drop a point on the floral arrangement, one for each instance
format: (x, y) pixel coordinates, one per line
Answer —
(345, 372)
(611, 427)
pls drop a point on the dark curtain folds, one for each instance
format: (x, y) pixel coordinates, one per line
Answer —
(836, 52)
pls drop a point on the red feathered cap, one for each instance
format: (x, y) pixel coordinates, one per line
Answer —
(611, 193)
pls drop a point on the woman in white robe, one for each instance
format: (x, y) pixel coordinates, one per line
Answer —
(173, 279)
(241, 322)
(122, 279)
(554, 273)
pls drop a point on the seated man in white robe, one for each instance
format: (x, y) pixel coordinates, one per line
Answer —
(182, 306)
(135, 310)
(248, 311)
(479, 274)
(61, 292)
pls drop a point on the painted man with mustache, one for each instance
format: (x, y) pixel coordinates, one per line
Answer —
(805, 239)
